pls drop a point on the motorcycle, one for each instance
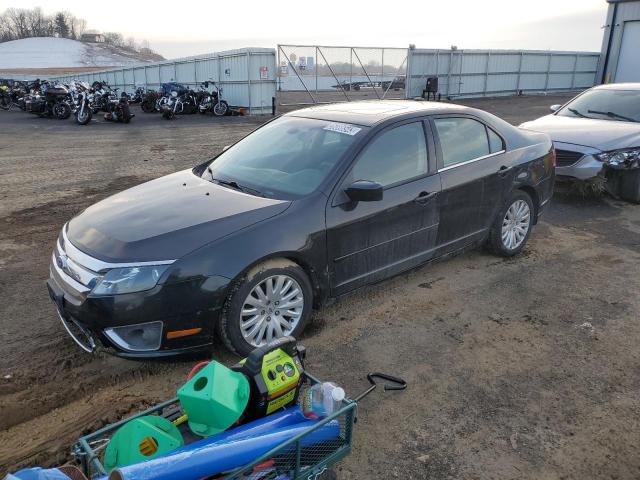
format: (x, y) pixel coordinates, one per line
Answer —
(149, 103)
(138, 95)
(49, 100)
(83, 103)
(179, 101)
(104, 94)
(211, 102)
(118, 110)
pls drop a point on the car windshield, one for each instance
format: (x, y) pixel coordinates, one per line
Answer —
(605, 104)
(287, 158)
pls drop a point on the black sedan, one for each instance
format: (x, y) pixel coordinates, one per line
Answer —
(310, 206)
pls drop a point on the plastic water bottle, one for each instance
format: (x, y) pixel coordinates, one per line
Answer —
(321, 400)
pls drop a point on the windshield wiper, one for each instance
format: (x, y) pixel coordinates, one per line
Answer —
(576, 112)
(235, 185)
(613, 115)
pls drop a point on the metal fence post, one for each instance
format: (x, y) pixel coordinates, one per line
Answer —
(486, 74)
(249, 78)
(573, 74)
(382, 77)
(460, 75)
(408, 77)
(546, 82)
(519, 73)
(449, 73)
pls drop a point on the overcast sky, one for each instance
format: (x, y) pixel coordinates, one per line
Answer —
(181, 28)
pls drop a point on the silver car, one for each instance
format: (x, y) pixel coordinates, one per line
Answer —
(597, 135)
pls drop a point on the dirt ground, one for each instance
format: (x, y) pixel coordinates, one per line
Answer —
(526, 368)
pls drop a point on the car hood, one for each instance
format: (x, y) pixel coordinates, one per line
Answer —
(165, 219)
(604, 135)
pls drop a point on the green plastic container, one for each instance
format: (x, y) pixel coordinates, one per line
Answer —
(141, 439)
(214, 399)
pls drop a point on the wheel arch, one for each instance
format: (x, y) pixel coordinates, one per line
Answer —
(535, 198)
(319, 292)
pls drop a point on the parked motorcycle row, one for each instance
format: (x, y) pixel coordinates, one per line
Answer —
(52, 99)
(174, 98)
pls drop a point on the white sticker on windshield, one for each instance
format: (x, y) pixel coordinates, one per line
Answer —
(342, 128)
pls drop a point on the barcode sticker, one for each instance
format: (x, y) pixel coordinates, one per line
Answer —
(345, 128)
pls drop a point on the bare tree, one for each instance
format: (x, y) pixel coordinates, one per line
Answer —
(114, 38)
(131, 43)
(38, 24)
(77, 26)
(17, 22)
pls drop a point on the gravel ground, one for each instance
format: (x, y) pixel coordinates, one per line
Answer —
(518, 368)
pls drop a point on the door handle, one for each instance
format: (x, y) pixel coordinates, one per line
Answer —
(424, 197)
(504, 170)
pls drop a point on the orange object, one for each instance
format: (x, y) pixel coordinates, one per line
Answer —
(183, 333)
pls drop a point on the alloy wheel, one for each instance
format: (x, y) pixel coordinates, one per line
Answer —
(272, 310)
(515, 224)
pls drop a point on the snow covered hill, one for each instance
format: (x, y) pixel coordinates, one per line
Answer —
(48, 52)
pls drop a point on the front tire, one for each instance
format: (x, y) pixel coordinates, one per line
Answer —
(85, 117)
(220, 109)
(512, 226)
(274, 299)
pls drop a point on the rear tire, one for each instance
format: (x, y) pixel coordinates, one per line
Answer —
(62, 110)
(234, 325)
(512, 226)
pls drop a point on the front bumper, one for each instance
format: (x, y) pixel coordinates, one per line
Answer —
(192, 305)
(587, 167)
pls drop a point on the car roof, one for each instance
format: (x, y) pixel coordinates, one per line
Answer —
(618, 86)
(371, 112)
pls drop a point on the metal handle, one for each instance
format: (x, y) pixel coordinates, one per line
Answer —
(504, 170)
(424, 197)
(400, 384)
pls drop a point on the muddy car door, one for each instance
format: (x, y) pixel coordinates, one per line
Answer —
(371, 240)
(471, 186)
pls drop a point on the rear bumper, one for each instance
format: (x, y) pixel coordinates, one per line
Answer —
(193, 306)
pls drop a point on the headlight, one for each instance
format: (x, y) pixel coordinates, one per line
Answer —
(618, 157)
(129, 279)
(174, 94)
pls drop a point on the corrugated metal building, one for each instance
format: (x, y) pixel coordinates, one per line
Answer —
(620, 57)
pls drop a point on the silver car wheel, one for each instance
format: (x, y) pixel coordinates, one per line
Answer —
(272, 310)
(515, 224)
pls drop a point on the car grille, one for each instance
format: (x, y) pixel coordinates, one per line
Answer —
(566, 158)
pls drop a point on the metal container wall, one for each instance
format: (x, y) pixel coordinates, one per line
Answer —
(473, 73)
(246, 76)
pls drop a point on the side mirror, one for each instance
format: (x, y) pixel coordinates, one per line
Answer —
(364, 191)
(226, 147)
(555, 108)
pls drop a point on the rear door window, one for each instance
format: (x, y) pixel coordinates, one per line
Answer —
(462, 139)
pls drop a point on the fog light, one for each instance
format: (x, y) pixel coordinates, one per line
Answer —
(140, 337)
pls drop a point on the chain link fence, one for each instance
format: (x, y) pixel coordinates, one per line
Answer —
(313, 74)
